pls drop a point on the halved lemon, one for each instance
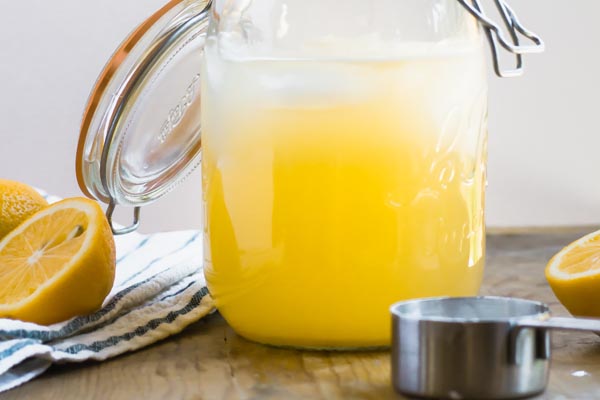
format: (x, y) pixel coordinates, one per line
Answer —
(574, 276)
(58, 264)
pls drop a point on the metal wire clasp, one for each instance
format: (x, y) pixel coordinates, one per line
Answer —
(496, 36)
(122, 230)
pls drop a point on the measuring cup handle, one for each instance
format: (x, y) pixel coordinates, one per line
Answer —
(542, 339)
(572, 324)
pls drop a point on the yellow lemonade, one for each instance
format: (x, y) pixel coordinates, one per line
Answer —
(333, 189)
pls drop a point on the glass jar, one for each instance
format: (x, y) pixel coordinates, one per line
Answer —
(343, 153)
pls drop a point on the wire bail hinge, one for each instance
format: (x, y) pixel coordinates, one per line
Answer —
(122, 230)
(497, 38)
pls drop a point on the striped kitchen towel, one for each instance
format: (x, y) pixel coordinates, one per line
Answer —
(159, 290)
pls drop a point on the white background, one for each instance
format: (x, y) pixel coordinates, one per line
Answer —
(544, 167)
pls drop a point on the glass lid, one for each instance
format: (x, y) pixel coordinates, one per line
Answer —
(140, 134)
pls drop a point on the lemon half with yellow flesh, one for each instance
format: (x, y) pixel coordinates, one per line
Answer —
(574, 276)
(58, 264)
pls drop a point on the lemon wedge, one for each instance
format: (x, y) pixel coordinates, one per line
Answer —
(574, 276)
(57, 264)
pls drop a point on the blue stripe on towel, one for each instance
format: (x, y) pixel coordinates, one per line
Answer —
(147, 267)
(16, 347)
(141, 244)
(177, 292)
(112, 321)
(98, 346)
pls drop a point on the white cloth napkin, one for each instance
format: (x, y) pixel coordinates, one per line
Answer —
(159, 290)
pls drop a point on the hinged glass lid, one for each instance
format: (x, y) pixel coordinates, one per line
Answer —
(140, 134)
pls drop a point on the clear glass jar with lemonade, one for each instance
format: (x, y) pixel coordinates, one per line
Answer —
(335, 182)
(343, 154)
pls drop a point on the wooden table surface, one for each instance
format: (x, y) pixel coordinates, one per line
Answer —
(209, 361)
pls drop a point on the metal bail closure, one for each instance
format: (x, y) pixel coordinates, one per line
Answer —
(496, 36)
(140, 134)
(128, 229)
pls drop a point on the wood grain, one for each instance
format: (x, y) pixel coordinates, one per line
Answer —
(209, 361)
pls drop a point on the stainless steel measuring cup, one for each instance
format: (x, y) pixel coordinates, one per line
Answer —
(474, 347)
